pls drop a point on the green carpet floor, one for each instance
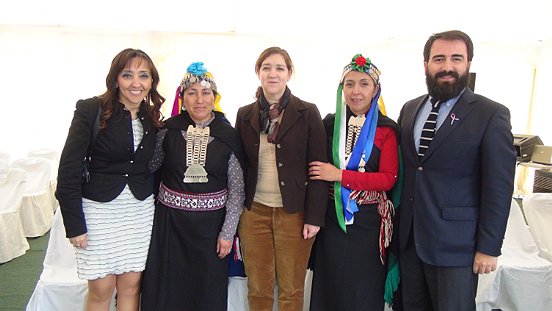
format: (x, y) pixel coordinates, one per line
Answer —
(18, 277)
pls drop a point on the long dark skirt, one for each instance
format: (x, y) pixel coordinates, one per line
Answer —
(348, 274)
(183, 271)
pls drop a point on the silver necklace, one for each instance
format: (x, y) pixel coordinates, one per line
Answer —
(197, 139)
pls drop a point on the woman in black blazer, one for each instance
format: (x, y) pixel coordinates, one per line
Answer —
(108, 218)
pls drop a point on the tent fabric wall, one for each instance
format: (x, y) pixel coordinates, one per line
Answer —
(48, 68)
(51, 60)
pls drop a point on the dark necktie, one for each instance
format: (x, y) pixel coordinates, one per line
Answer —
(430, 126)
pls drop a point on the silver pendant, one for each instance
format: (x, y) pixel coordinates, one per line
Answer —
(362, 164)
(195, 173)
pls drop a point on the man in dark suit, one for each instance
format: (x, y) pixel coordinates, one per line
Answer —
(458, 183)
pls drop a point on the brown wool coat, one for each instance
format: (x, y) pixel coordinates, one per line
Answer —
(301, 139)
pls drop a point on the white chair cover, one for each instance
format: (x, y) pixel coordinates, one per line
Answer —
(538, 212)
(49, 154)
(13, 242)
(308, 286)
(5, 156)
(36, 210)
(237, 294)
(522, 280)
(53, 157)
(59, 287)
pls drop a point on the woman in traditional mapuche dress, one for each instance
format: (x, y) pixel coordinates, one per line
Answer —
(109, 217)
(200, 200)
(349, 261)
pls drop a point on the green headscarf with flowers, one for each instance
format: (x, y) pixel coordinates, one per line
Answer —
(344, 205)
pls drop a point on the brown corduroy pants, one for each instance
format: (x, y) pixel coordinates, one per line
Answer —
(274, 249)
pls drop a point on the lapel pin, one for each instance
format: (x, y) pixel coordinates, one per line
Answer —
(453, 118)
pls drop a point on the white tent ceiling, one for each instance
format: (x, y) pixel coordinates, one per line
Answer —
(491, 20)
(57, 51)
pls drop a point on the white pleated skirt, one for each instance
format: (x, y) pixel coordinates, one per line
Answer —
(119, 234)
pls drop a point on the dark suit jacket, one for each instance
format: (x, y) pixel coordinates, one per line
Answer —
(457, 199)
(113, 162)
(301, 139)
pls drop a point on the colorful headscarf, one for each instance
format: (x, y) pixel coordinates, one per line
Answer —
(361, 64)
(195, 73)
(345, 206)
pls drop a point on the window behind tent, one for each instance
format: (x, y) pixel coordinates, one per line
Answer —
(471, 81)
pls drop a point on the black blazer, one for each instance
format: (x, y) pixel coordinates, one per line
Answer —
(113, 161)
(457, 198)
(301, 139)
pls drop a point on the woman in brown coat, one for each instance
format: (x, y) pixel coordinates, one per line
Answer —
(281, 134)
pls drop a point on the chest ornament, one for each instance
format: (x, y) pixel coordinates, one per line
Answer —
(197, 139)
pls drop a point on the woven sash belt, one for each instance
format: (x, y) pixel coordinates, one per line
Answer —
(195, 202)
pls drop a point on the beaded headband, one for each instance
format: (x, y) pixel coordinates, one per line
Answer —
(361, 64)
(197, 73)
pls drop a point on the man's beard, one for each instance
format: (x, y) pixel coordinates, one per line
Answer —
(445, 90)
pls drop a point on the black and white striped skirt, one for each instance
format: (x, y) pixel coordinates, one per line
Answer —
(119, 234)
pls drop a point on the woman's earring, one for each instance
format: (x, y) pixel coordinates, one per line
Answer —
(116, 85)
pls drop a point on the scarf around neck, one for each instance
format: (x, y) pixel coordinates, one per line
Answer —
(270, 114)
